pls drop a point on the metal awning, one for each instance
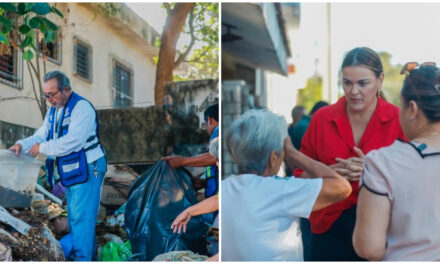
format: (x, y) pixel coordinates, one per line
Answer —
(254, 34)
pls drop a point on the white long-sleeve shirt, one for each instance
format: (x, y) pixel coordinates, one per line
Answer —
(82, 126)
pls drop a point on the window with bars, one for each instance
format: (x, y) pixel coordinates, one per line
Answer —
(51, 50)
(122, 86)
(9, 66)
(82, 60)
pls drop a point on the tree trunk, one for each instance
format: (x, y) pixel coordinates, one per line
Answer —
(167, 53)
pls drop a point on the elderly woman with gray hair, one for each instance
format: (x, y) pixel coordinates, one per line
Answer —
(260, 210)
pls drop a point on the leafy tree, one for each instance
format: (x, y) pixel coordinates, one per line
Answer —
(393, 79)
(202, 26)
(20, 23)
(311, 94)
(200, 22)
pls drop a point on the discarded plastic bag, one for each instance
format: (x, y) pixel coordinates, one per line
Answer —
(113, 251)
(179, 256)
(55, 249)
(5, 252)
(155, 199)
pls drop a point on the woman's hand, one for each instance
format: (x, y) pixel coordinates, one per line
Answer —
(180, 222)
(350, 168)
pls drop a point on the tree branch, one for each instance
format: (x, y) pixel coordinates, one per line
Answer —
(167, 7)
(193, 40)
(199, 57)
(41, 105)
(40, 85)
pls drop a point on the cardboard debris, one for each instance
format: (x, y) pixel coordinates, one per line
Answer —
(116, 185)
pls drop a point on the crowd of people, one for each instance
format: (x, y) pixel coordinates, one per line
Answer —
(361, 174)
(365, 174)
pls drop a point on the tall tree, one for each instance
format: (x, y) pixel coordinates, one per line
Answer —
(201, 55)
(393, 79)
(310, 94)
(173, 27)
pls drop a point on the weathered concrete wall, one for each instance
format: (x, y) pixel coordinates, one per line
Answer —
(190, 98)
(10, 133)
(144, 135)
(235, 101)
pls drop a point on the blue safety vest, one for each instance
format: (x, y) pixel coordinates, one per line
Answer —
(72, 168)
(212, 179)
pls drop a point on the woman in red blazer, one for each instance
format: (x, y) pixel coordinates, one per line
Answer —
(339, 135)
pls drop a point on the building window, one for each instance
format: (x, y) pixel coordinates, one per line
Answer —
(51, 50)
(82, 60)
(10, 70)
(122, 86)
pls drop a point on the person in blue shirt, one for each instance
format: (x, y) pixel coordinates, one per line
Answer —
(69, 139)
(205, 159)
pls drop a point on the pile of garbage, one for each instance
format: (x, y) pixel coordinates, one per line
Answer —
(38, 229)
(28, 236)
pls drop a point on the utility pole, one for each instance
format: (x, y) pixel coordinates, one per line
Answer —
(329, 93)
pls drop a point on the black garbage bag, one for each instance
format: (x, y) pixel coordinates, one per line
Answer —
(155, 199)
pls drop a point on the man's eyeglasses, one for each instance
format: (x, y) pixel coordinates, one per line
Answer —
(410, 66)
(50, 96)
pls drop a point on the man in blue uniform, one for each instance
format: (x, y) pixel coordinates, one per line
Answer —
(69, 138)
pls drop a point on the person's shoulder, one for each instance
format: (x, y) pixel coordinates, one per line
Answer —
(386, 154)
(305, 120)
(84, 103)
(83, 107)
(388, 109)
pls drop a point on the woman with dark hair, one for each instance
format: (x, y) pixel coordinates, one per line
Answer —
(357, 123)
(318, 106)
(399, 209)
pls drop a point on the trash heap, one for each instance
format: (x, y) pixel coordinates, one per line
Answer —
(38, 230)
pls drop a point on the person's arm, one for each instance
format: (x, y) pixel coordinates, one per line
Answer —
(82, 122)
(372, 220)
(213, 258)
(39, 136)
(206, 206)
(202, 160)
(334, 187)
(374, 207)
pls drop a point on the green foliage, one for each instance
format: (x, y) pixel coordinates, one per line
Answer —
(393, 79)
(4, 39)
(28, 55)
(20, 21)
(203, 63)
(311, 94)
(203, 26)
(109, 9)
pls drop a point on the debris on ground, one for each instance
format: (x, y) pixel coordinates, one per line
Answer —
(116, 251)
(17, 224)
(180, 256)
(38, 244)
(41, 232)
(5, 252)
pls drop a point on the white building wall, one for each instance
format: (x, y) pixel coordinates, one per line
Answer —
(107, 43)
